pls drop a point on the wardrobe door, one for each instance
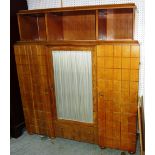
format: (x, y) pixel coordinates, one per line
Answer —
(117, 84)
(74, 86)
(31, 64)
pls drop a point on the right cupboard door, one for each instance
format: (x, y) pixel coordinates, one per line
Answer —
(117, 86)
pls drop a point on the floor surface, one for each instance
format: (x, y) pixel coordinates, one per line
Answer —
(40, 145)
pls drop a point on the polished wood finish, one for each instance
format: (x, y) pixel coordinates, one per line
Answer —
(107, 31)
(92, 23)
(77, 8)
(102, 24)
(32, 27)
(79, 131)
(117, 83)
(54, 27)
(119, 24)
(87, 132)
(77, 42)
(79, 25)
(115, 108)
(34, 87)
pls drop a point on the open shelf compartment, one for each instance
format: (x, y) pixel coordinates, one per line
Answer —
(32, 27)
(114, 24)
(71, 25)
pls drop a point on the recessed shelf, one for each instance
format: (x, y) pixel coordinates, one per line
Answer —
(116, 24)
(32, 27)
(72, 25)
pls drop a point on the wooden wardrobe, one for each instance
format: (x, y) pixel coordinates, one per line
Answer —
(104, 34)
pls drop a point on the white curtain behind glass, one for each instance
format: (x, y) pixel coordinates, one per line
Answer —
(73, 85)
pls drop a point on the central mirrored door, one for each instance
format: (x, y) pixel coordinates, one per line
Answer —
(73, 85)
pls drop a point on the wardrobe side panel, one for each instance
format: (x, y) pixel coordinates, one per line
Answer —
(34, 87)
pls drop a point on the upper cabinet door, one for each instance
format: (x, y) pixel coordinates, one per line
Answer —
(36, 94)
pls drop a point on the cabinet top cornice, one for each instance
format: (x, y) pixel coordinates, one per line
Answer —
(76, 8)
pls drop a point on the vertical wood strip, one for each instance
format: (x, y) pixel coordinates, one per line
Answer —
(19, 26)
(96, 19)
(46, 25)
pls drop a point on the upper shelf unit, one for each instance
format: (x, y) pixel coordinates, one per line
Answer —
(102, 22)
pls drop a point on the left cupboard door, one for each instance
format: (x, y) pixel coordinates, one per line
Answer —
(31, 62)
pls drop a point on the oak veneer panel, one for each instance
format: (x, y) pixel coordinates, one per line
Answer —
(126, 86)
(117, 51)
(108, 62)
(126, 51)
(32, 27)
(135, 51)
(117, 85)
(34, 88)
(41, 28)
(117, 62)
(100, 62)
(119, 24)
(129, 107)
(79, 25)
(135, 63)
(106, 50)
(134, 76)
(76, 131)
(126, 74)
(117, 95)
(54, 26)
(126, 63)
(108, 74)
(102, 26)
(127, 145)
(117, 74)
(28, 27)
(77, 8)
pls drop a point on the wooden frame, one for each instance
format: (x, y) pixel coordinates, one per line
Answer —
(117, 56)
(92, 7)
(117, 86)
(61, 125)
